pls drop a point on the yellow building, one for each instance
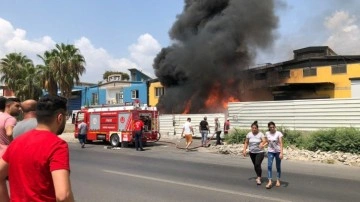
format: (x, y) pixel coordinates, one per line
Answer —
(315, 72)
(155, 91)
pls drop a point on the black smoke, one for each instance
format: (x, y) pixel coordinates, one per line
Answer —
(214, 41)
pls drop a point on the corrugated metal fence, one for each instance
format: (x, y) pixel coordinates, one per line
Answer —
(171, 124)
(304, 115)
(297, 114)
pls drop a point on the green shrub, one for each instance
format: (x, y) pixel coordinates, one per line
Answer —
(291, 137)
(337, 139)
(236, 136)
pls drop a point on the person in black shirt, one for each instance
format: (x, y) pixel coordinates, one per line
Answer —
(204, 130)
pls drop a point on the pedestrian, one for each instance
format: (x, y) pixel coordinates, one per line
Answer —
(275, 150)
(217, 131)
(8, 122)
(83, 129)
(204, 130)
(256, 141)
(188, 132)
(226, 127)
(37, 162)
(138, 130)
(28, 107)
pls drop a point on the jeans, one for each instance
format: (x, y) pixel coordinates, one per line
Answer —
(204, 134)
(271, 156)
(218, 137)
(257, 159)
(138, 140)
(82, 138)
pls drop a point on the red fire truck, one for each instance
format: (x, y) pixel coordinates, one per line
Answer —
(114, 124)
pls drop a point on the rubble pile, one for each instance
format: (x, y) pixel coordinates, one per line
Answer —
(293, 153)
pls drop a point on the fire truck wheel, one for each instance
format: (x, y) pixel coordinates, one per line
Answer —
(114, 140)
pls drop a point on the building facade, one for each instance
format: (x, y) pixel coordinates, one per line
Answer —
(155, 91)
(116, 90)
(314, 73)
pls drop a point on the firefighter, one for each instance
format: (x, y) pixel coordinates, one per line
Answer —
(226, 127)
(83, 128)
(138, 129)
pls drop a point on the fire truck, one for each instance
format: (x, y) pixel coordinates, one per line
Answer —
(114, 124)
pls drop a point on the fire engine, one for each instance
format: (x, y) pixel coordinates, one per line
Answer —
(114, 124)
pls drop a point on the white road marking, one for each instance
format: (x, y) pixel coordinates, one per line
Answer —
(196, 186)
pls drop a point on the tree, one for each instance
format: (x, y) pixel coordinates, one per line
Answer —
(45, 72)
(11, 68)
(62, 69)
(19, 74)
(28, 87)
(124, 76)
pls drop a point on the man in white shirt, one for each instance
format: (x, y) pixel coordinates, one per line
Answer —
(189, 132)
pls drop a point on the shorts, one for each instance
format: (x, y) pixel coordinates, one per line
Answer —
(188, 137)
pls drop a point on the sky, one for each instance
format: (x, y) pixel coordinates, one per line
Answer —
(117, 35)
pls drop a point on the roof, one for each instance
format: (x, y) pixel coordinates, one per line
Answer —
(313, 49)
(140, 71)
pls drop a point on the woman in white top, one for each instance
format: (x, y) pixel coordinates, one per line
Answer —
(256, 141)
(275, 150)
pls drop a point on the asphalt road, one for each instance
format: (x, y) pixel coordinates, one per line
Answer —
(164, 173)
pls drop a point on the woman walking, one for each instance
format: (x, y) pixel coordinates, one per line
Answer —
(275, 150)
(256, 142)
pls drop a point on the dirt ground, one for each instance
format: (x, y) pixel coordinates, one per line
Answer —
(69, 128)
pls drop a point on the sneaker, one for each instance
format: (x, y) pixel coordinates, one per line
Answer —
(82, 145)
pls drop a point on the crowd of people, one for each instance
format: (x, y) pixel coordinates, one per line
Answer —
(34, 160)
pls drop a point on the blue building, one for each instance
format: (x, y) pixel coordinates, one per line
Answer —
(136, 91)
(113, 90)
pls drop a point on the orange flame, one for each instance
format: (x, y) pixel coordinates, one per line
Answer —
(217, 100)
(187, 107)
(229, 99)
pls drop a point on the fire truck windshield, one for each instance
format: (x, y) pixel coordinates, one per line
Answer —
(80, 117)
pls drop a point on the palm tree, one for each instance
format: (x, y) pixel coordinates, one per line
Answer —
(11, 68)
(28, 87)
(46, 74)
(62, 69)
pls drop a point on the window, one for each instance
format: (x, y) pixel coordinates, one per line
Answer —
(133, 76)
(119, 98)
(94, 99)
(338, 69)
(134, 94)
(309, 71)
(260, 76)
(159, 91)
(284, 74)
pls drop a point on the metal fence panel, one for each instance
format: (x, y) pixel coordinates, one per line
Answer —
(171, 125)
(311, 114)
